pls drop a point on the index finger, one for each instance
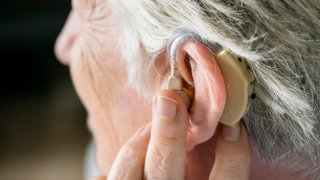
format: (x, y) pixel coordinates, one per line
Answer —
(167, 149)
(99, 178)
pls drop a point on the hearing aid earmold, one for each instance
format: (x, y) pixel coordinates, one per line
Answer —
(236, 73)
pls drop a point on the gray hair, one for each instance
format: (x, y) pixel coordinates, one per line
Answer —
(280, 39)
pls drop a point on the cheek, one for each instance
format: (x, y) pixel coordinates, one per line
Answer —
(91, 76)
(82, 77)
(116, 111)
(103, 86)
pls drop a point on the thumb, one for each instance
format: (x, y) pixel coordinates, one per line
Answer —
(167, 149)
(233, 154)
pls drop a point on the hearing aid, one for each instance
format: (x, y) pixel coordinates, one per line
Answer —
(237, 75)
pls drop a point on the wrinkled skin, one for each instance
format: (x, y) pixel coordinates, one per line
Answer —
(89, 45)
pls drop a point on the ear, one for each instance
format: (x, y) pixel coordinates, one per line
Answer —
(209, 91)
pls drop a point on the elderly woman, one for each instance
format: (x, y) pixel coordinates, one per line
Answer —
(117, 53)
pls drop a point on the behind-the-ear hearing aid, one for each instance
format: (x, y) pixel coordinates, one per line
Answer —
(236, 73)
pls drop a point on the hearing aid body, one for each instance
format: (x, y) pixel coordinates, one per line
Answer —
(236, 73)
(238, 79)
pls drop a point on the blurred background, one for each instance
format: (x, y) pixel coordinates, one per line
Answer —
(43, 133)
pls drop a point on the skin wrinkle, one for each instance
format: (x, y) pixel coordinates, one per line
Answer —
(87, 59)
(92, 25)
(164, 155)
(89, 5)
(91, 76)
(279, 39)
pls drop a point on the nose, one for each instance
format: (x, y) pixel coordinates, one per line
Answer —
(67, 38)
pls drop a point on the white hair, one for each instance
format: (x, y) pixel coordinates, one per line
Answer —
(280, 39)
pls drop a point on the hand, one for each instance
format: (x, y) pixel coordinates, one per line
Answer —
(159, 151)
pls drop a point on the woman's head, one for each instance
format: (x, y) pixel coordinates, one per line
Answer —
(118, 59)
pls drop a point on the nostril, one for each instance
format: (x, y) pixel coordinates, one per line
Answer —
(67, 37)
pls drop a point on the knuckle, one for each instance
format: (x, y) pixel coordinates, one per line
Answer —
(234, 165)
(128, 153)
(161, 154)
(159, 161)
(166, 138)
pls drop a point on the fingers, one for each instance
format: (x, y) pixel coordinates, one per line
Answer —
(166, 154)
(129, 162)
(99, 178)
(233, 154)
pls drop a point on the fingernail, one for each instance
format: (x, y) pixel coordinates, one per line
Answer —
(166, 107)
(231, 133)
